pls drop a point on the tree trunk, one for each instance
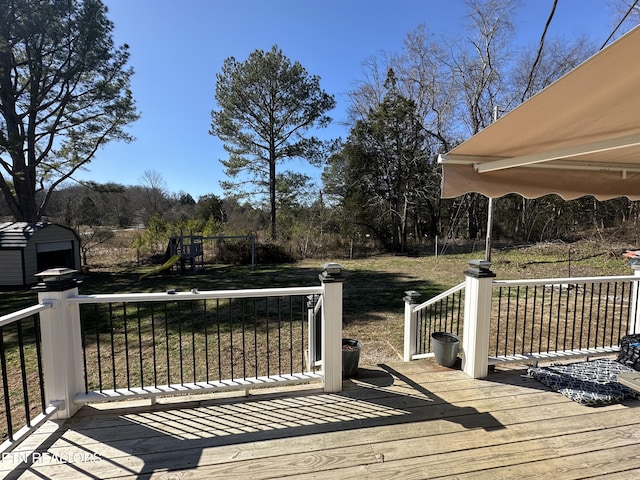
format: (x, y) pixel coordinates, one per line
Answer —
(472, 217)
(272, 191)
(25, 208)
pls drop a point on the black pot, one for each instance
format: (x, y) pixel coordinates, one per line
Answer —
(350, 357)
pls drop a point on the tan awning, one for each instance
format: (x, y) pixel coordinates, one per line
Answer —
(579, 136)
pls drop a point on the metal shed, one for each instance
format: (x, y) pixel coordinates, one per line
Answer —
(29, 248)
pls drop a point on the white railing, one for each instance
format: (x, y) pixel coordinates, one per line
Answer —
(591, 314)
(543, 319)
(18, 407)
(439, 297)
(193, 295)
(129, 349)
(423, 319)
(565, 282)
(66, 365)
(61, 361)
(24, 313)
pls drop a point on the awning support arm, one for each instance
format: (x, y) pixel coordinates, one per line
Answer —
(561, 153)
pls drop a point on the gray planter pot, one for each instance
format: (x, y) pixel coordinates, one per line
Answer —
(350, 357)
(445, 348)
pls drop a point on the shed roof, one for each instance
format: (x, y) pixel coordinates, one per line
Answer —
(18, 234)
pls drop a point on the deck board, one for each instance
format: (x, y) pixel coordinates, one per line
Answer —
(406, 420)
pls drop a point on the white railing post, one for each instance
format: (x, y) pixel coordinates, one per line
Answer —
(332, 281)
(634, 311)
(477, 319)
(410, 324)
(62, 365)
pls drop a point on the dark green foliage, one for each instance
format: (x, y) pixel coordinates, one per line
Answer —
(383, 176)
(233, 252)
(272, 254)
(266, 107)
(210, 206)
(238, 252)
(64, 92)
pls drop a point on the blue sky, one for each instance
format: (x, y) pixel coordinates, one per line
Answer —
(178, 47)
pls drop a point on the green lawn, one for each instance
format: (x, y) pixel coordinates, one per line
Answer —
(373, 288)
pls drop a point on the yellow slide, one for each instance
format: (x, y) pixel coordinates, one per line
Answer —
(168, 264)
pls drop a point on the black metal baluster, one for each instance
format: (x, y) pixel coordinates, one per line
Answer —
(613, 313)
(23, 373)
(525, 316)
(636, 306)
(98, 355)
(550, 320)
(542, 300)
(575, 318)
(5, 386)
(598, 314)
(231, 339)
(290, 299)
(566, 313)
(590, 318)
(499, 321)
(180, 358)
(431, 327)
(167, 347)
(302, 344)
(421, 329)
(83, 336)
(255, 335)
(193, 341)
(219, 339)
(279, 336)
(153, 345)
(126, 345)
(584, 303)
(460, 310)
(206, 340)
(534, 317)
(244, 343)
(38, 336)
(268, 340)
(140, 358)
(558, 309)
(445, 302)
(113, 349)
(507, 322)
(621, 315)
(516, 319)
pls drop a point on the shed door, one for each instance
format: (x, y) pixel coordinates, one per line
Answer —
(55, 254)
(54, 246)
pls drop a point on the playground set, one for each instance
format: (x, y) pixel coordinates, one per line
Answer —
(189, 252)
(185, 253)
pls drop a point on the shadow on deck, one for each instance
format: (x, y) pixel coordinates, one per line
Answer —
(397, 418)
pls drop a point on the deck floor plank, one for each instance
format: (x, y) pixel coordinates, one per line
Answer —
(407, 420)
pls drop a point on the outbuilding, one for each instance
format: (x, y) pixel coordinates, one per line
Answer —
(29, 248)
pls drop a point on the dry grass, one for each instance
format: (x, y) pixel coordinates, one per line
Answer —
(116, 253)
(200, 341)
(374, 286)
(373, 290)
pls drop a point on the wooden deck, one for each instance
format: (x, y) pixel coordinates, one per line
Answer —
(397, 421)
